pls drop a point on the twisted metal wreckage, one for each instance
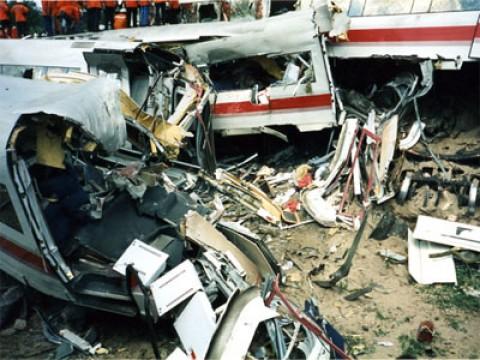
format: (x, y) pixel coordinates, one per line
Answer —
(93, 215)
(96, 209)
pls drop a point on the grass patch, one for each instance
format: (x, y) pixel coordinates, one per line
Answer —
(380, 316)
(454, 324)
(412, 348)
(380, 332)
(357, 345)
(448, 296)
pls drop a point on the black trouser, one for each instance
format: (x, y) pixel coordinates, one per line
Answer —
(93, 19)
(4, 25)
(159, 13)
(172, 16)
(131, 15)
(65, 24)
(22, 28)
(109, 15)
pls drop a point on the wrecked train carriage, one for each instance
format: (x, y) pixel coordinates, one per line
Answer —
(387, 47)
(78, 224)
(303, 76)
(153, 78)
(261, 80)
(69, 210)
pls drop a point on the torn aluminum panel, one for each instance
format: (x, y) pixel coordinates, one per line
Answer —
(148, 261)
(426, 270)
(389, 138)
(313, 348)
(345, 141)
(238, 325)
(175, 286)
(357, 175)
(195, 326)
(318, 208)
(101, 119)
(201, 232)
(447, 232)
(413, 136)
(239, 228)
(255, 250)
(267, 41)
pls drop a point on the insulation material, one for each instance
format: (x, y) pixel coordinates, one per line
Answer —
(49, 148)
(94, 106)
(170, 136)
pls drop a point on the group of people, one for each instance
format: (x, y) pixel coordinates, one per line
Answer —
(13, 19)
(65, 17)
(137, 11)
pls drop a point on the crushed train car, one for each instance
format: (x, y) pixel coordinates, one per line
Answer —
(85, 219)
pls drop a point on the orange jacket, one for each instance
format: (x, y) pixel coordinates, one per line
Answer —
(174, 4)
(93, 4)
(131, 3)
(144, 3)
(55, 6)
(110, 4)
(72, 11)
(3, 11)
(19, 12)
(160, 1)
(46, 8)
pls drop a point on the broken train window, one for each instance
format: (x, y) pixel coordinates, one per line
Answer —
(7, 211)
(262, 71)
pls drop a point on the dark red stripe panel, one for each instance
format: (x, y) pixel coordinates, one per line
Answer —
(23, 255)
(438, 33)
(290, 103)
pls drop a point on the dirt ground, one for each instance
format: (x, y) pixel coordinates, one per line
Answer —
(394, 308)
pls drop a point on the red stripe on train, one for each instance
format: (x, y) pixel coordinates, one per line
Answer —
(297, 102)
(23, 255)
(437, 33)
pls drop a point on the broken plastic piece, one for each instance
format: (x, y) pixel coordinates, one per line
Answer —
(175, 286)
(447, 233)
(148, 261)
(79, 342)
(195, 326)
(413, 136)
(393, 256)
(177, 354)
(237, 327)
(318, 208)
(426, 270)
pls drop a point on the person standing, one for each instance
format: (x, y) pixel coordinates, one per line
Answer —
(132, 10)
(69, 14)
(144, 12)
(159, 11)
(4, 19)
(109, 13)
(20, 12)
(47, 17)
(94, 9)
(173, 12)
